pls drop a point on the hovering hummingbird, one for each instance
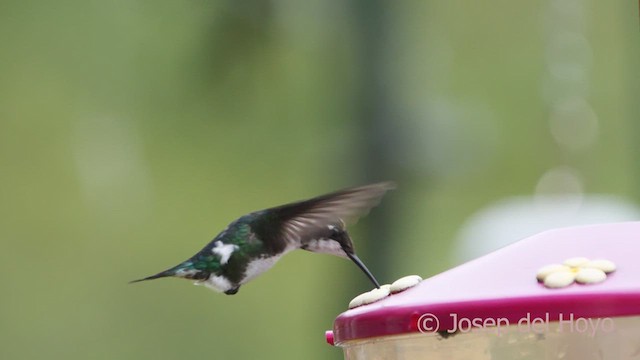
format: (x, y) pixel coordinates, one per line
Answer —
(253, 243)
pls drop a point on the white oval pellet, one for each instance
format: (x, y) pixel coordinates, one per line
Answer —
(590, 276)
(357, 301)
(576, 261)
(375, 295)
(559, 279)
(604, 265)
(544, 271)
(404, 283)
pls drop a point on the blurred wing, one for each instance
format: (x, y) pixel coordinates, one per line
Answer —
(304, 219)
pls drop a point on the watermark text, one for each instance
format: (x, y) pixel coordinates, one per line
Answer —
(565, 323)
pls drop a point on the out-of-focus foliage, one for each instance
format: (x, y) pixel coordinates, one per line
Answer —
(131, 132)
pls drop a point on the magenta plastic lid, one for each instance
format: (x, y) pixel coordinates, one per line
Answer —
(503, 286)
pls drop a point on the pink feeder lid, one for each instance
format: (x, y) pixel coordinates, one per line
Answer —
(503, 285)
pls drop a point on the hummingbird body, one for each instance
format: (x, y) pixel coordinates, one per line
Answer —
(253, 243)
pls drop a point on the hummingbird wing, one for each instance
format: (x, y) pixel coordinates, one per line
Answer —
(301, 221)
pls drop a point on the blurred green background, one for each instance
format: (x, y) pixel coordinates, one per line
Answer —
(132, 132)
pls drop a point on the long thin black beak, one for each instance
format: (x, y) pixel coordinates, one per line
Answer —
(366, 271)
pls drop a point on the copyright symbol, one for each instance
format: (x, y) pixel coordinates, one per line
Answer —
(428, 323)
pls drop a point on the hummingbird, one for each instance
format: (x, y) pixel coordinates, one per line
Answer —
(253, 243)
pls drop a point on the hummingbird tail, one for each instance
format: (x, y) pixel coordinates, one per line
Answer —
(165, 273)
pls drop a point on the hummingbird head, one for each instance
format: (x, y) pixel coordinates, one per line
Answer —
(336, 241)
(333, 240)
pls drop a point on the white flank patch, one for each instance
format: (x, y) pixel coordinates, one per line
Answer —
(258, 266)
(217, 283)
(224, 251)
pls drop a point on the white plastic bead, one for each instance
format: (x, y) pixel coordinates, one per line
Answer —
(559, 279)
(576, 261)
(370, 296)
(604, 265)
(590, 276)
(544, 271)
(357, 301)
(375, 295)
(405, 283)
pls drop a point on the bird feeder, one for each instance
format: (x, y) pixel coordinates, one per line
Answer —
(571, 293)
